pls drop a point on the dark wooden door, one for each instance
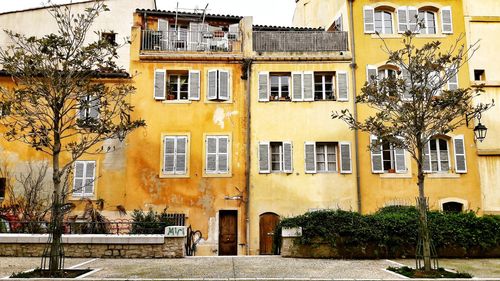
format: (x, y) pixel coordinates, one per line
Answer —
(228, 233)
(267, 222)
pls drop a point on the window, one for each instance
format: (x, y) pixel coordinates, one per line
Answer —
(179, 87)
(437, 155)
(177, 36)
(383, 22)
(386, 158)
(479, 75)
(453, 207)
(275, 157)
(280, 86)
(175, 155)
(89, 108)
(407, 19)
(323, 86)
(3, 187)
(182, 85)
(218, 87)
(109, 37)
(327, 157)
(217, 154)
(428, 18)
(384, 72)
(84, 178)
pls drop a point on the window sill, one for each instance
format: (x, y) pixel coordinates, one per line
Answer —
(80, 197)
(228, 175)
(162, 176)
(443, 176)
(395, 176)
(400, 35)
(386, 36)
(218, 101)
(176, 101)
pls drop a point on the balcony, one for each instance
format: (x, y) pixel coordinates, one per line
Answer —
(188, 41)
(299, 41)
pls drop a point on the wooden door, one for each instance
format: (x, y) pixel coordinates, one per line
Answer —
(267, 223)
(228, 233)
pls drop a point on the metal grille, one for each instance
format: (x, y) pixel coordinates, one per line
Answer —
(299, 41)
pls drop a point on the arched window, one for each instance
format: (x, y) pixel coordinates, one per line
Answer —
(386, 72)
(428, 18)
(454, 207)
(383, 21)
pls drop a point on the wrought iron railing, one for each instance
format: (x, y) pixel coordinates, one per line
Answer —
(299, 41)
(214, 41)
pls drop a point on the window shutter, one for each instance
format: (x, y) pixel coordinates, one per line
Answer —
(287, 157)
(400, 160)
(78, 178)
(211, 154)
(263, 86)
(310, 157)
(413, 19)
(180, 155)
(223, 154)
(433, 81)
(89, 178)
(453, 81)
(402, 19)
(308, 80)
(342, 86)
(264, 161)
(224, 89)
(369, 19)
(169, 155)
(82, 109)
(94, 107)
(297, 89)
(406, 77)
(426, 166)
(159, 84)
(194, 85)
(460, 161)
(345, 158)
(371, 73)
(376, 154)
(212, 85)
(234, 31)
(446, 20)
(194, 36)
(163, 28)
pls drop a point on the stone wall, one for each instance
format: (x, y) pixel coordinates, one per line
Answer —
(96, 246)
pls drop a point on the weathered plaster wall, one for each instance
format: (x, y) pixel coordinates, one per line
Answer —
(319, 13)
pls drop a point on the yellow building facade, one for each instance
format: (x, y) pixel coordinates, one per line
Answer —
(390, 178)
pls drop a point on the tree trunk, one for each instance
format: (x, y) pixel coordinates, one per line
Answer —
(57, 216)
(422, 210)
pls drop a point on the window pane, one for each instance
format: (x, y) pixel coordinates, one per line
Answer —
(387, 23)
(284, 86)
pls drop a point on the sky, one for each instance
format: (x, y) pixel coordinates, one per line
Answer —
(276, 12)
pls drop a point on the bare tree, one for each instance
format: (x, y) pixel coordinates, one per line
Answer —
(58, 106)
(411, 108)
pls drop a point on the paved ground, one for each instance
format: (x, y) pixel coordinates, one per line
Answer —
(246, 268)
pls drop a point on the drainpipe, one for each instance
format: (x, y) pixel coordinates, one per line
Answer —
(248, 158)
(355, 108)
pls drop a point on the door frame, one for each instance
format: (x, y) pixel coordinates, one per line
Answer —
(237, 228)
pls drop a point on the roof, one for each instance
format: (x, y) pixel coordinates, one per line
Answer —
(190, 15)
(284, 28)
(97, 74)
(45, 7)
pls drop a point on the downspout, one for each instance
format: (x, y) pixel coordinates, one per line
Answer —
(354, 105)
(248, 66)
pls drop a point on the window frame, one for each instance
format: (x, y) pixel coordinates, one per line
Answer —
(323, 82)
(325, 154)
(217, 172)
(438, 154)
(425, 30)
(280, 76)
(383, 12)
(175, 173)
(82, 194)
(179, 85)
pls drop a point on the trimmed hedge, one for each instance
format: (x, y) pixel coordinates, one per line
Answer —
(395, 230)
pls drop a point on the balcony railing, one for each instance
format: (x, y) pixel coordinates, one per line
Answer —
(299, 41)
(215, 41)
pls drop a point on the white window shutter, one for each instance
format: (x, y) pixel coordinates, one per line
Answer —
(376, 155)
(94, 104)
(194, 36)
(194, 85)
(181, 155)
(223, 154)
(78, 178)
(160, 84)
(169, 155)
(453, 81)
(446, 20)
(434, 79)
(308, 85)
(426, 166)
(212, 85)
(400, 160)
(413, 19)
(162, 25)
(297, 89)
(369, 19)
(460, 160)
(89, 178)
(287, 157)
(211, 154)
(264, 158)
(405, 75)
(342, 86)
(224, 82)
(371, 73)
(310, 157)
(402, 19)
(234, 31)
(263, 86)
(345, 158)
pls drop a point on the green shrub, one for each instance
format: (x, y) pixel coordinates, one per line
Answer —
(150, 222)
